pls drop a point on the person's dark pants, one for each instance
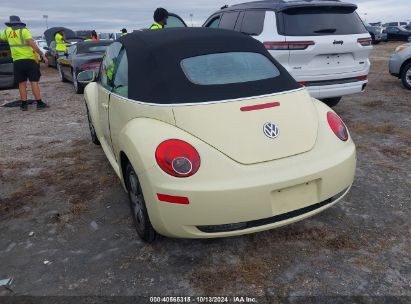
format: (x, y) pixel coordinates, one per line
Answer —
(26, 69)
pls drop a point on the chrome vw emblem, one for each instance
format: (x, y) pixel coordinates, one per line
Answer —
(271, 130)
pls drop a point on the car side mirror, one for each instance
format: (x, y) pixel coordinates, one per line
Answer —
(86, 77)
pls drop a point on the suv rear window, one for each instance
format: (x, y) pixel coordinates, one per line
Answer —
(228, 68)
(319, 21)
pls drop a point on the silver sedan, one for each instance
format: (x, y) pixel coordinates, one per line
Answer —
(400, 64)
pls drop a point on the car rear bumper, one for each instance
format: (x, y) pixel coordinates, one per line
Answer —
(337, 90)
(335, 85)
(253, 198)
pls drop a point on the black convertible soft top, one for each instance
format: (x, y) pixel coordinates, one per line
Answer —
(156, 76)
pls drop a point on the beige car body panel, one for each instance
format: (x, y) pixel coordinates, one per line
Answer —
(235, 183)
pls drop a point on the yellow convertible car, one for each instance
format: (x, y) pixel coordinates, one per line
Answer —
(211, 137)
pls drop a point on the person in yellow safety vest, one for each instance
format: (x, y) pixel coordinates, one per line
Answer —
(160, 19)
(22, 47)
(60, 42)
(123, 32)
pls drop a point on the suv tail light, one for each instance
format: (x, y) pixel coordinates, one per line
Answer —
(364, 41)
(337, 126)
(362, 78)
(289, 45)
(90, 66)
(177, 158)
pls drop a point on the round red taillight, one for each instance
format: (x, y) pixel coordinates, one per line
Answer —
(178, 158)
(337, 125)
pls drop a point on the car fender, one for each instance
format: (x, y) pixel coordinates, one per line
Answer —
(91, 99)
(140, 137)
(322, 110)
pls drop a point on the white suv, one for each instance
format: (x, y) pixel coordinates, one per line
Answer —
(323, 44)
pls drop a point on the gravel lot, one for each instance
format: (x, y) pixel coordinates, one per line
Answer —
(55, 183)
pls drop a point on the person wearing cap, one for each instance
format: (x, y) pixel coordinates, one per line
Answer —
(23, 48)
(123, 32)
(160, 19)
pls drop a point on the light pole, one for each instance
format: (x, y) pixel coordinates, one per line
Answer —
(191, 17)
(46, 17)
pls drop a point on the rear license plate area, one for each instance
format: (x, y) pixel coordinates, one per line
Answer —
(295, 197)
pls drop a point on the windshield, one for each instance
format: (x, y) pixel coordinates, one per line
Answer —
(317, 21)
(106, 36)
(228, 68)
(42, 43)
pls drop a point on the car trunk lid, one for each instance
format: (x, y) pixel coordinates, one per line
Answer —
(236, 128)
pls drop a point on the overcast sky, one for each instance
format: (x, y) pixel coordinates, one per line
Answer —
(104, 15)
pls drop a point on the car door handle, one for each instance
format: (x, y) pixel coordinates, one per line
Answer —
(105, 106)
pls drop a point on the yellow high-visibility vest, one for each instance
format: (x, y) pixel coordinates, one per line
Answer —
(156, 26)
(17, 39)
(60, 44)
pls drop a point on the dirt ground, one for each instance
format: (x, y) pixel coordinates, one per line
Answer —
(61, 202)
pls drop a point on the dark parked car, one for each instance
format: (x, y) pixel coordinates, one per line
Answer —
(81, 57)
(398, 33)
(377, 33)
(52, 54)
(6, 67)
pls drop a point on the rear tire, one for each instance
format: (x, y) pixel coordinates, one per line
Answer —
(138, 208)
(78, 88)
(406, 76)
(331, 102)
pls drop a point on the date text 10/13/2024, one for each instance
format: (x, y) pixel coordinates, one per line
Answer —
(203, 300)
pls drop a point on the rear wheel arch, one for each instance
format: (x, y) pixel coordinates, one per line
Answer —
(406, 80)
(404, 64)
(90, 98)
(123, 165)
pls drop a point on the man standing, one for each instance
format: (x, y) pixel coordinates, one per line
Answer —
(60, 43)
(123, 32)
(23, 50)
(160, 19)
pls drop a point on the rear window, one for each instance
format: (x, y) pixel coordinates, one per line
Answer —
(319, 21)
(228, 68)
(92, 49)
